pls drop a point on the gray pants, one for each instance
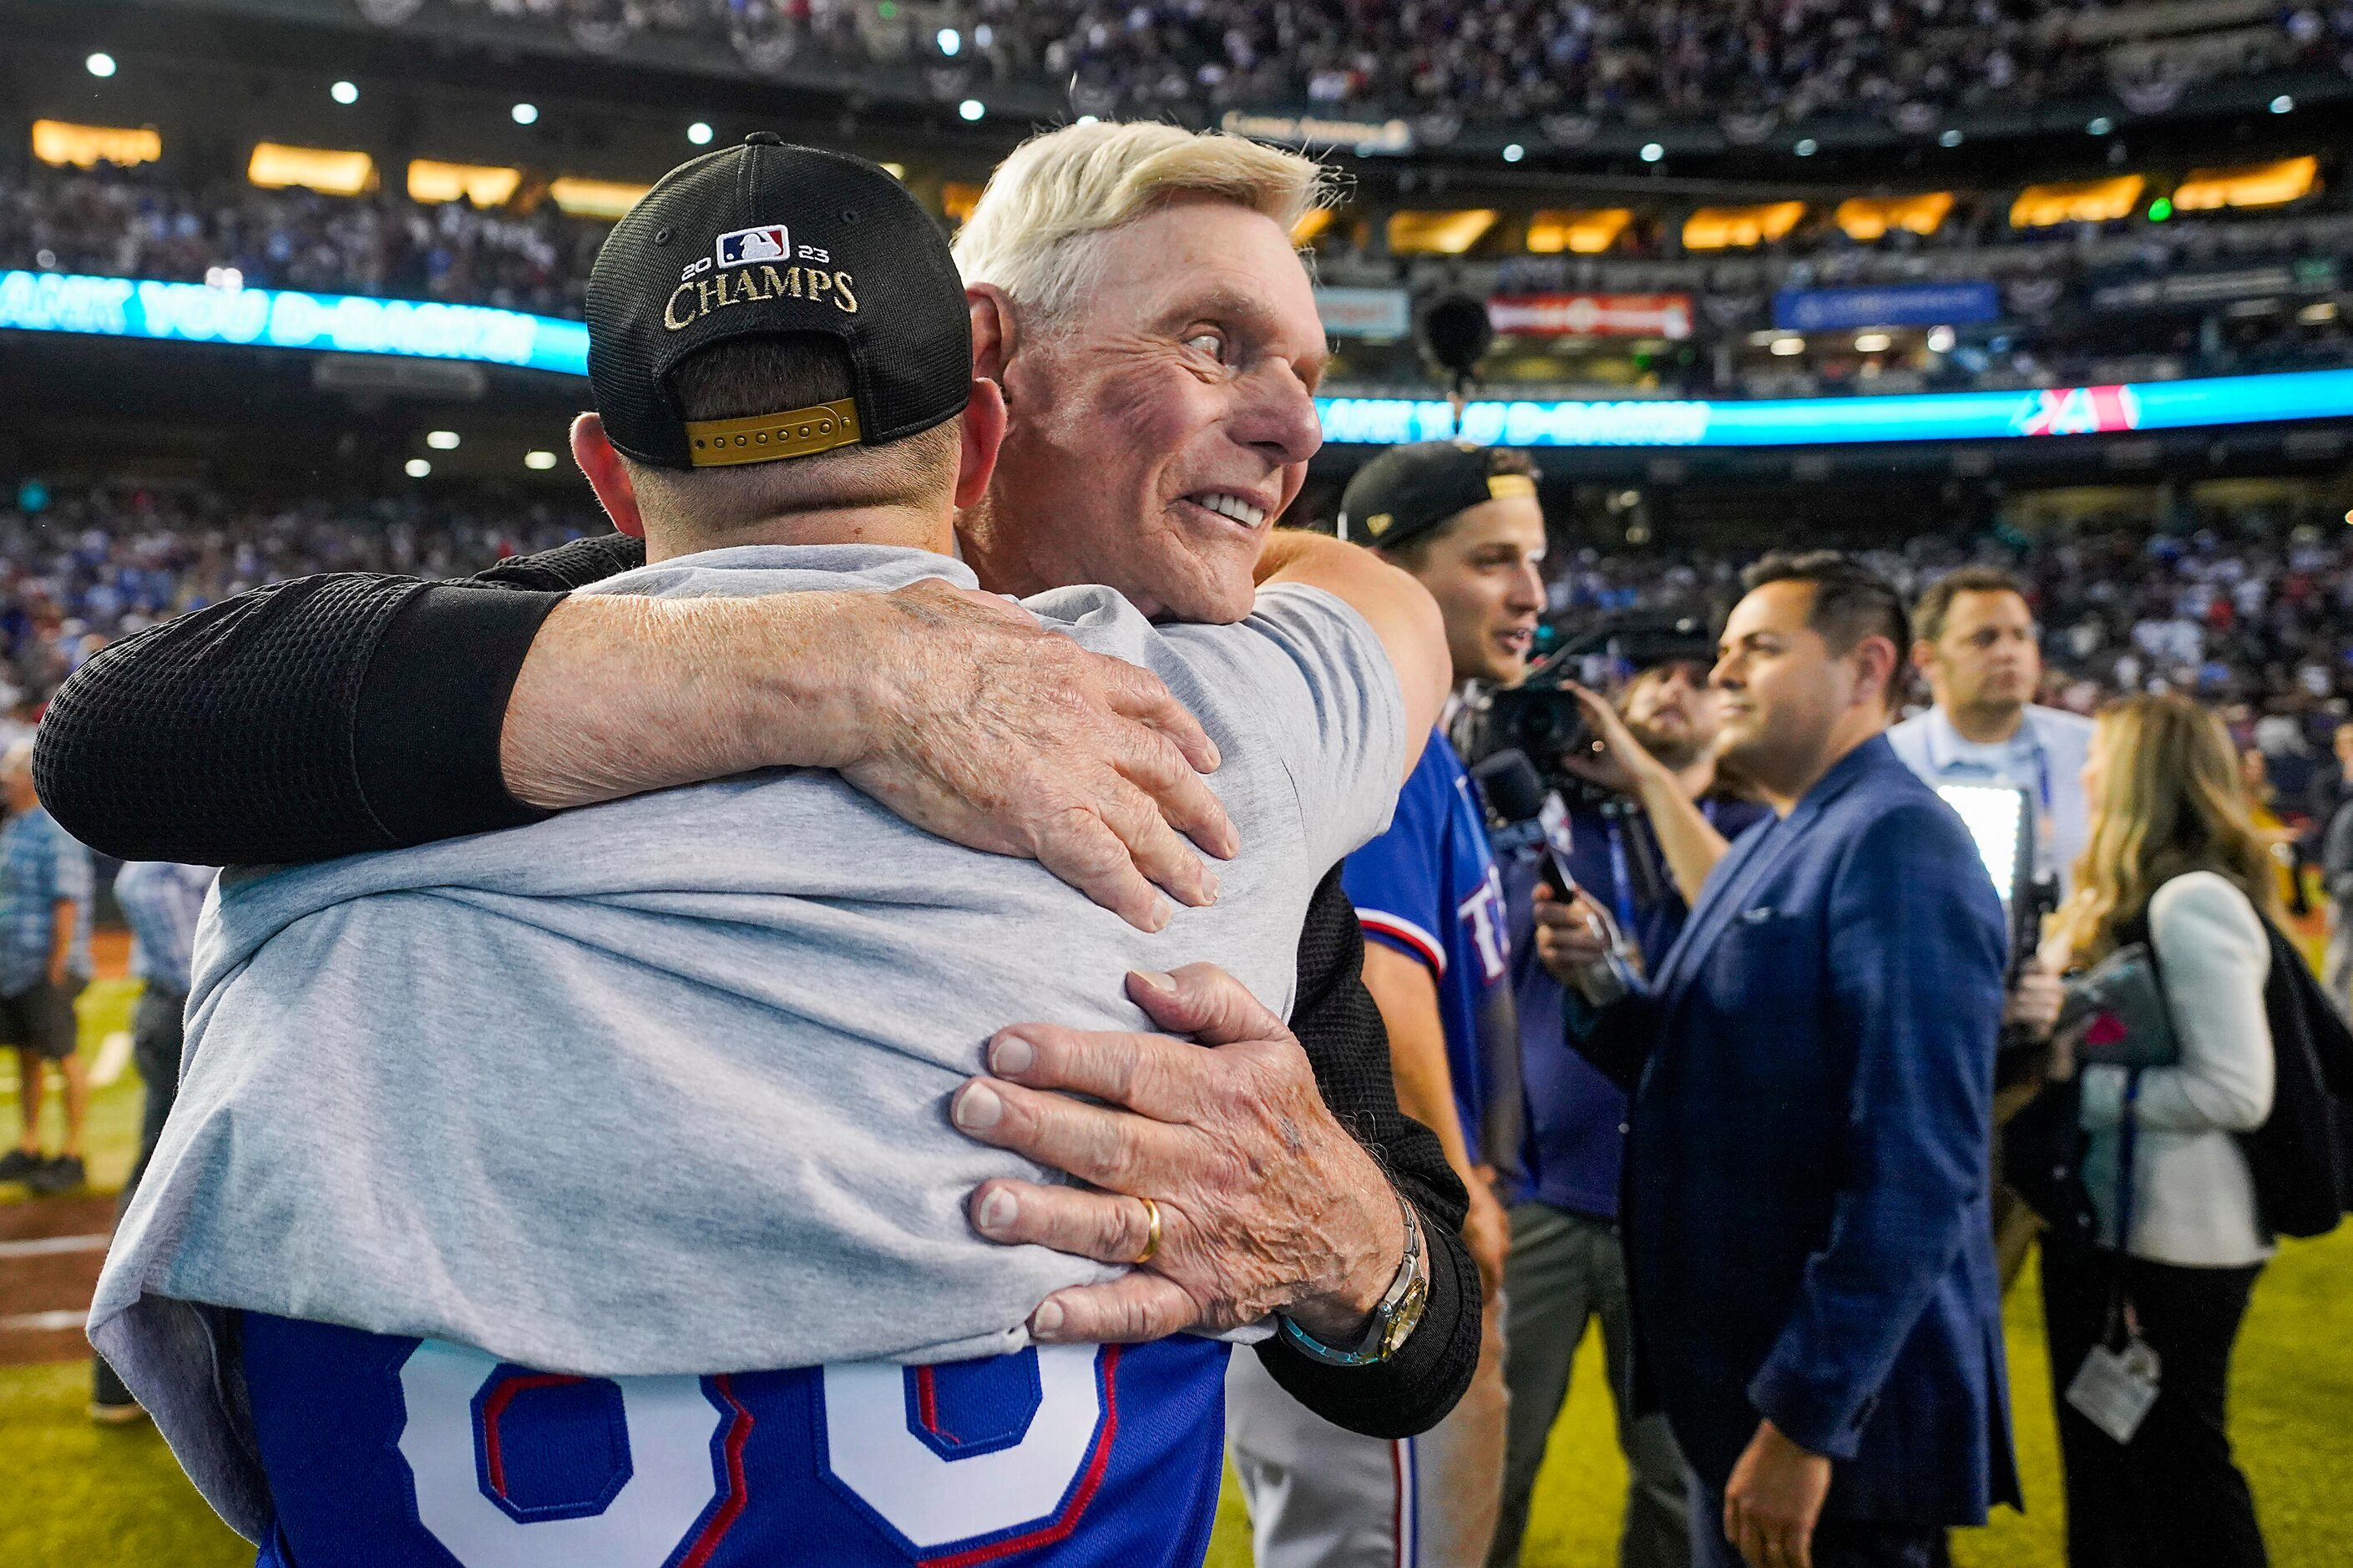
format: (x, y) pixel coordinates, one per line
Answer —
(1563, 1270)
(1321, 1497)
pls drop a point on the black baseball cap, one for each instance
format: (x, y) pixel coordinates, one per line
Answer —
(769, 238)
(1408, 490)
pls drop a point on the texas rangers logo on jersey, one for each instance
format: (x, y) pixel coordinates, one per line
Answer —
(742, 247)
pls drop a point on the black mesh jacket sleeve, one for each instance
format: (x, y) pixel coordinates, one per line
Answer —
(336, 715)
(316, 717)
(1339, 1026)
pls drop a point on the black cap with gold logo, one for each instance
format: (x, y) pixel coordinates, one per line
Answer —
(1411, 489)
(771, 238)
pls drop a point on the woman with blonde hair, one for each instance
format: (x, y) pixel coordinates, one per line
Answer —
(2173, 861)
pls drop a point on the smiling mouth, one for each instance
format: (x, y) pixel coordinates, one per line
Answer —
(1229, 505)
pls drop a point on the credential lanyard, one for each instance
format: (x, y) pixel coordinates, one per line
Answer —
(1620, 875)
(2120, 1306)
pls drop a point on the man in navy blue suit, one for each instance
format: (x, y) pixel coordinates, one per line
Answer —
(1812, 1066)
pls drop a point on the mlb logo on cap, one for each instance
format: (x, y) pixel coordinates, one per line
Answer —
(741, 246)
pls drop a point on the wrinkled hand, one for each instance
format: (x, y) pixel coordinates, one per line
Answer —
(985, 728)
(1487, 1231)
(1612, 757)
(1569, 936)
(2034, 1001)
(1266, 1202)
(1773, 1500)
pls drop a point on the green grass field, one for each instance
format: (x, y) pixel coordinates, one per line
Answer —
(81, 1497)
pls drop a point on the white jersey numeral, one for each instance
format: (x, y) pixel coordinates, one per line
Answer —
(932, 1497)
(671, 1482)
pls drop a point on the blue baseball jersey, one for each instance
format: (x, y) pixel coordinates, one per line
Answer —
(1429, 888)
(384, 1452)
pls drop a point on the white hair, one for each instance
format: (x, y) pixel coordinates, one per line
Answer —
(1031, 232)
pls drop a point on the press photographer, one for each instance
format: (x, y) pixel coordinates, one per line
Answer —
(1638, 818)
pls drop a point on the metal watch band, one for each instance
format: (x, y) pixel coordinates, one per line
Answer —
(1394, 1318)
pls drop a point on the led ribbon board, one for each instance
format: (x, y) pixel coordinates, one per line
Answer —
(1824, 421)
(278, 318)
(275, 317)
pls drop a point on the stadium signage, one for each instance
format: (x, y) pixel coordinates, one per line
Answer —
(1592, 315)
(270, 317)
(1314, 131)
(275, 317)
(1365, 313)
(1900, 305)
(2313, 274)
(1837, 421)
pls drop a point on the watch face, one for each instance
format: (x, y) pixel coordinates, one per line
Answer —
(1407, 1316)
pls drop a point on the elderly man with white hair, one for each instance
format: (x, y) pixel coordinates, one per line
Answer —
(1160, 417)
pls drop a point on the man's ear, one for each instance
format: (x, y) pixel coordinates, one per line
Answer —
(1876, 661)
(1924, 656)
(608, 475)
(994, 334)
(983, 435)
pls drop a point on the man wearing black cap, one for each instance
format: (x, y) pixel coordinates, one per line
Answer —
(511, 1305)
(1465, 522)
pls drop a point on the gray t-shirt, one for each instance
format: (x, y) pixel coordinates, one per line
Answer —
(659, 1086)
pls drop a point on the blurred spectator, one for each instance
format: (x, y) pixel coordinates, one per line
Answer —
(45, 904)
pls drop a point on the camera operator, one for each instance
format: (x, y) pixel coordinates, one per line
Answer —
(1566, 1266)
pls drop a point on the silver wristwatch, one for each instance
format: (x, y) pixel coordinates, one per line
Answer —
(1394, 1319)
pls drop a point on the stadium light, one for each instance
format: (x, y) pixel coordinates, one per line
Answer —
(346, 93)
(525, 114)
(950, 42)
(1515, 152)
(1941, 339)
(972, 109)
(698, 133)
(1785, 347)
(1086, 120)
(539, 462)
(984, 35)
(417, 467)
(441, 440)
(2100, 126)
(1652, 151)
(2282, 104)
(1952, 138)
(1807, 147)
(2160, 209)
(99, 64)
(1873, 343)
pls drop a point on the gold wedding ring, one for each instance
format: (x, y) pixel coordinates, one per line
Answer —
(1151, 1235)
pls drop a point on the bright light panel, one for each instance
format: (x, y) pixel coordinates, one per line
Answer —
(1868, 218)
(1725, 228)
(441, 440)
(1582, 232)
(2076, 201)
(540, 461)
(275, 168)
(596, 198)
(1998, 822)
(417, 467)
(59, 143)
(2248, 185)
(1439, 233)
(480, 183)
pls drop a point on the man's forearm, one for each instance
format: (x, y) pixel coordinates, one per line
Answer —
(621, 695)
(62, 922)
(1686, 838)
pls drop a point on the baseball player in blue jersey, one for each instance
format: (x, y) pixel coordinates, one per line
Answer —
(1465, 522)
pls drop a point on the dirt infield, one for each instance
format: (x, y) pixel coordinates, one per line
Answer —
(51, 1249)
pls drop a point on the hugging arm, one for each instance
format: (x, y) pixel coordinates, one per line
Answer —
(331, 715)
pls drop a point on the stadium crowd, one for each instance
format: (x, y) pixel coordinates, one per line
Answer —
(133, 224)
(2259, 623)
(1582, 59)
